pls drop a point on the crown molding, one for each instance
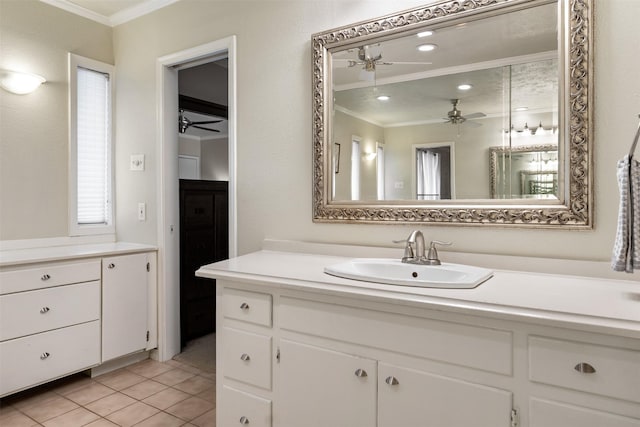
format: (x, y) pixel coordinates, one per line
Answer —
(117, 18)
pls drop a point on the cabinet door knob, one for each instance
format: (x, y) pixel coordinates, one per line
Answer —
(244, 306)
(392, 380)
(44, 355)
(111, 265)
(585, 368)
(45, 277)
(244, 420)
(360, 373)
(44, 310)
(245, 357)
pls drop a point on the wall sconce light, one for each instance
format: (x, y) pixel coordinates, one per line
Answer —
(20, 83)
(370, 156)
(527, 131)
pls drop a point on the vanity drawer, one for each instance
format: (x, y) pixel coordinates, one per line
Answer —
(240, 408)
(48, 275)
(455, 343)
(252, 307)
(27, 313)
(246, 357)
(607, 371)
(35, 359)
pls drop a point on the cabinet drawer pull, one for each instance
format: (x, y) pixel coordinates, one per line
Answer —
(392, 380)
(45, 277)
(111, 265)
(44, 310)
(244, 420)
(585, 368)
(245, 357)
(360, 373)
(44, 355)
(244, 306)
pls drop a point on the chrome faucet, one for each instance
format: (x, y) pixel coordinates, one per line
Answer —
(414, 251)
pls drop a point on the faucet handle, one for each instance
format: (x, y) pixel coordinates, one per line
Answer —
(432, 255)
(408, 249)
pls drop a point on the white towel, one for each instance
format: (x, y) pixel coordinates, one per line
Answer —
(626, 251)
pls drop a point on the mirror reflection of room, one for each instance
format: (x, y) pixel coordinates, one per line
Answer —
(444, 89)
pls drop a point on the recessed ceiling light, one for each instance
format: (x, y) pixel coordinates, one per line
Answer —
(382, 98)
(426, 47)
(425, 33)
(465, 86)
(522, 109)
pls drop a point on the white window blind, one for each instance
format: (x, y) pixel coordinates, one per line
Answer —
(93, 148)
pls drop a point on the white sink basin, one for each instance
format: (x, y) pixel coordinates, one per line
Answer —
(395, 272)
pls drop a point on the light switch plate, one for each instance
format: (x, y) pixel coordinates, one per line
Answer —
(136, 162)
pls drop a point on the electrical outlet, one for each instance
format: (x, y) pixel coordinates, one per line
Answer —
(136, 162)
(142, 211)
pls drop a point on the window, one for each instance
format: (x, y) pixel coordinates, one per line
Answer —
(355, 168)
(91, 149)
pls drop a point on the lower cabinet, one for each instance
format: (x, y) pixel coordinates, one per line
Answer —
(124, 305)
(294, 359)
(320, 387)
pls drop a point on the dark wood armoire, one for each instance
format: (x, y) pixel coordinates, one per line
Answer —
(204, 238)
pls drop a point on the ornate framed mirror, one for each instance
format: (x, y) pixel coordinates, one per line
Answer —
(413, 111)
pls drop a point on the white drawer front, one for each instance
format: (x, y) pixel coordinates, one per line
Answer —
(47, 275)
(464, 345)
(238, 408)
(247, 357)
(26, 313)
(35, 359)
(555, 414)
(247, 306)
(616, 371)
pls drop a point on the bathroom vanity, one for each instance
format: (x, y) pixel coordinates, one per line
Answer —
(298, 347)
(70, 308)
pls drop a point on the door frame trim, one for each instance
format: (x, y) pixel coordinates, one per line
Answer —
(168, 198)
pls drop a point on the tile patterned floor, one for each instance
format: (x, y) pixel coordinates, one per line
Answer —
(145, 394)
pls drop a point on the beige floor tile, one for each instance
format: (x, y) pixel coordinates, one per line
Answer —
(120, 379)
(149, 368)
(166, 398)
(132, 414)
(144, 389)
(29, 398)
(174, 376)
(209, 395)
(190, 408)
(195, 385)
(101, 423)
(75, 418)
(16, 418)
(70, 384)
(51, 407)
(161, 419)
(111, 403)
(90, 393)
(208, 419)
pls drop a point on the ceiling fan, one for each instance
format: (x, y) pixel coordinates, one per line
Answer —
(369, 60)
(184, 123)
(455, 116)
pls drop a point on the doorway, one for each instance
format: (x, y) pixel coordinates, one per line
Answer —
(168, 183)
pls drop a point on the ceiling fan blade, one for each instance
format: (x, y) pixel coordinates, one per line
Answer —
(475, 115)
(407, 63)
(206, 122)
(203, 128)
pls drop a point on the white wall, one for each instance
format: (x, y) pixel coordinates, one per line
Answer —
(34, 135)
(274, 123)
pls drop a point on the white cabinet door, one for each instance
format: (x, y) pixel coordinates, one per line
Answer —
(322, 388)
(413, 398)
(124, 305)
(545, 413)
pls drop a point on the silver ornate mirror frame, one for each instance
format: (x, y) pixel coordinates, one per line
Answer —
(576, 99)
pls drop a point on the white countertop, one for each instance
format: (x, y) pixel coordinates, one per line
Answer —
(60, 253)
(591, 304)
